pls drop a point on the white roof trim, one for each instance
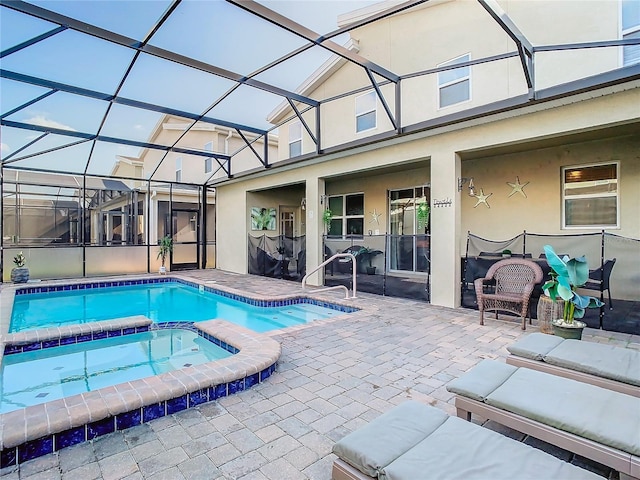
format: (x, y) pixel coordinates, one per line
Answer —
(328, 68)
(360, 14)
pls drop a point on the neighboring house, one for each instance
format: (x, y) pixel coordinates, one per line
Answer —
(558, 156)
(79, 217)
(180, 202)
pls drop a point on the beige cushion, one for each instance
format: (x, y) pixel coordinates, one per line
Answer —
(377, 444)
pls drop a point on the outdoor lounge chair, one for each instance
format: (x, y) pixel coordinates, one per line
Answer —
(599, 280)
(515, 279)
(607, 366)
(414, 441)
(599, 424)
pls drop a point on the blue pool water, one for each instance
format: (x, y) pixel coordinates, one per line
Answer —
(31, 378)
(161, 302)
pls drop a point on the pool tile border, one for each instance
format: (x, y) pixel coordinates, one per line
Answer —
(42, 429)
(292, 300)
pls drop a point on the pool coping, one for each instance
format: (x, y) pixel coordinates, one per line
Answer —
(45, 428)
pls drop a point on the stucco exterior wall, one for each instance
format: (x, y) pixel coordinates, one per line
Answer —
(441, 151)
(541, 210)
(426, 36)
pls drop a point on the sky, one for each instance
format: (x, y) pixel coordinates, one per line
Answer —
(211, 31)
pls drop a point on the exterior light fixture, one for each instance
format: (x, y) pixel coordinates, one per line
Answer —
(461, 183)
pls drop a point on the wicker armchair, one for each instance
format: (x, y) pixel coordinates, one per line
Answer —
(514, 279)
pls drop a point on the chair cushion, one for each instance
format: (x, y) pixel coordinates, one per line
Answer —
(608, 361)
(377, 444)
(534, 346)
(460, 449)
(604, 416)
(481, 380)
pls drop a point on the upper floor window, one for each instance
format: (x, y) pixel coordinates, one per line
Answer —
(295, 139)
(454, 86)
(590, 196)
(630, 29)
(208, 162)
(178, 169)
(366, 112)
(347, 214)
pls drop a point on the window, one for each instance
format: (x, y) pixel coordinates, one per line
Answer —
(178, 169)
(590, 196)
(366, 112)
(454, 85)
(208, 162)
(630, 29)
(295, 139)
(347, 214)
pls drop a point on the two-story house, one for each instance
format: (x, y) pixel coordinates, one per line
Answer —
(494, 117)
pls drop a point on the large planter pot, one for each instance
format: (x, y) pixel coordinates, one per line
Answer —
(20, 275)
(570, 331)
(371, 270)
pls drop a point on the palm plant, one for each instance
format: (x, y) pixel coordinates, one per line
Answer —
(166, 247)
(568, 274)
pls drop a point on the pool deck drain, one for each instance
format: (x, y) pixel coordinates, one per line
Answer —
(332, 378)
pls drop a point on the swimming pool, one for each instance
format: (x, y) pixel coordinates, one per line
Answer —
(35, 377)
(161, 300)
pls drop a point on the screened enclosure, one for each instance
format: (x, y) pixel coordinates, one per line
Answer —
(119, 118)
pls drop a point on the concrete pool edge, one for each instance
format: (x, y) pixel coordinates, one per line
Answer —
(41, 429)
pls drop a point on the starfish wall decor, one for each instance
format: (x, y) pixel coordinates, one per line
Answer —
(375, 217)
(518, 187)
(482, 198)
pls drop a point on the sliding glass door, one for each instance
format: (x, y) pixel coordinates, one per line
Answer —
(408, 228)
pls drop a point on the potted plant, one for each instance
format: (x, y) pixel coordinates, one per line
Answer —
(166, 247)
(327, 215)
(20, 273)
(366, 255)
(506, 252)
(568, 274)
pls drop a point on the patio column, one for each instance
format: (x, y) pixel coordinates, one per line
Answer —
(314, 228)
(445, 229)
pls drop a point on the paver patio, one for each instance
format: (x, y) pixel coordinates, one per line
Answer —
(333, 377)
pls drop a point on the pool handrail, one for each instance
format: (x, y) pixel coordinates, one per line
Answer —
(350, 256)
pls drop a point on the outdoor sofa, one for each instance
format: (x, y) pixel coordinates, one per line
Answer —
(599, 424)
(607, 366)
(414, 441)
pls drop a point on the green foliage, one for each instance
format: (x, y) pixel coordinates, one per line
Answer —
(366, 254)
(327, 215)
(166, 247)
(567, 274)
(20, 260)
(423, 211)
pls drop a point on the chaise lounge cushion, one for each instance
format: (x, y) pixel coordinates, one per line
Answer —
(377, 444)
(607, 361)
(604, 416)
(460, 449)
(535, 346)
(487, 376)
